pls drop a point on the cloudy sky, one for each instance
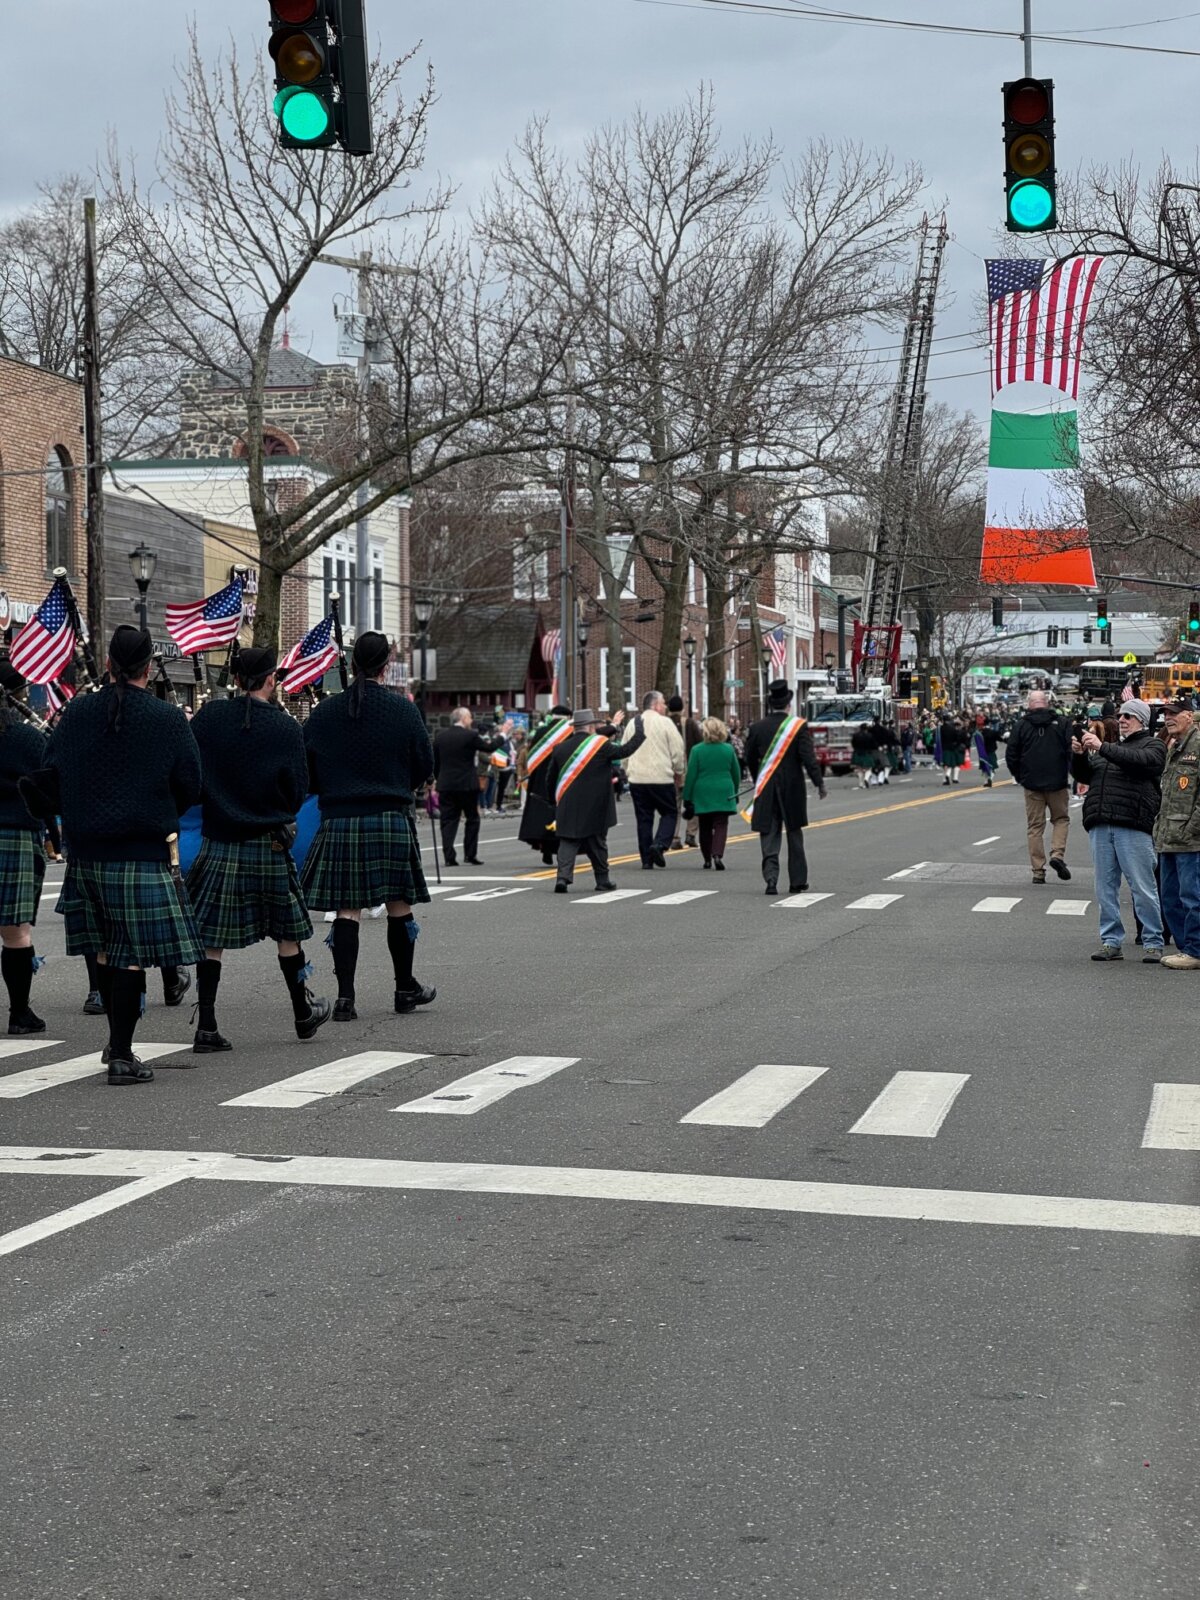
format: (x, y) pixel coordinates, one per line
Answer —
(931, 98)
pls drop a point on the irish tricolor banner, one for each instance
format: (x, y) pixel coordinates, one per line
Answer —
(1036, 525)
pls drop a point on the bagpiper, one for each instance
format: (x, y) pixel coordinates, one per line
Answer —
(779, 751)
(243, 885)
(22, 853)
(121, 768)
(368, 754)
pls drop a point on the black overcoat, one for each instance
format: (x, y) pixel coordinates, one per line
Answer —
(785, 798)
(589, 807)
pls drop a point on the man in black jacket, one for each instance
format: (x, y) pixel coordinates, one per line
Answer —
(580, 779)
(779, 751)
(243, 884)
(454, 771)
(1119, 812)
(1039, 757)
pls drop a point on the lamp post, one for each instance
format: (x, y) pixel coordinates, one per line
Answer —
(581, 634)
(829, 661)
(422, 614)
(689, 650)
(142, 563)
(766, 675)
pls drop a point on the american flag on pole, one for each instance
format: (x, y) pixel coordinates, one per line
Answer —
(207, 624)
(777, 644)
(57, 695)
(309, 661)
(1036, 316)
(551, 640)
(47, 641)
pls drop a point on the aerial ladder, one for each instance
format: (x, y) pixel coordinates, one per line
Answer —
(876, 647)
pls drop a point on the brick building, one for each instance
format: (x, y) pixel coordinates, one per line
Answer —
(42, 488)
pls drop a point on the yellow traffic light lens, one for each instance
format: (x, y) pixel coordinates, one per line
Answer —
(1029, 155)
(300, 59)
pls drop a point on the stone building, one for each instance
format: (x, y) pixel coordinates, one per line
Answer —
(310, 411)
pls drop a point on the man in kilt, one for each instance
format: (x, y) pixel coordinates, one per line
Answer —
(368, 752)
(22, 856)
(243, 885)
(121, 767)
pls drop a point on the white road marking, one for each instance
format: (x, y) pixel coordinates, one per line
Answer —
(754, 1098)
(465, 1096)
(1174, 1120)
(22, 1047)
(1150, 1218)
(800, 902)
(873, 902)
(913, 1105)
(318, 1083)
(611, 897)
(443, 888)
(1067, 908)
(53, 895)
(998, 903)
(992, 838)
(487, 894)
(682, 898)
(97, 1206)
(907, 872)
(51, 1074)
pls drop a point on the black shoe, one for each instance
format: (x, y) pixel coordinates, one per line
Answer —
(657, 858)
(130, 1070)
(708, 866)
(1057, 864)
(474, 861)
(208, 1042)
(770, 889)
(23, 1022)
(410, 999)
(561, 888)
(797, 888)
(690, 844)
(343, 1010)
(174, 992)
(605, 886)
(548, 858)
(675, 844)
(451, 861)
(319, 1011)
(93, 1006)
(718, 865)
(647, 866)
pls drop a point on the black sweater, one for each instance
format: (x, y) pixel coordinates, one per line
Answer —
(121, 791)
(256, 777)
(358, 766)
(22, 751)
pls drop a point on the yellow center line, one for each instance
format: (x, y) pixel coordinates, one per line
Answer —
(829, 822)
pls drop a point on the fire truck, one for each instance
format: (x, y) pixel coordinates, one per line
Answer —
(833, 717)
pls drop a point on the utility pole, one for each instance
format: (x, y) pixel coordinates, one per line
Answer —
(566, 549)
(1027, 38)
(93, 428)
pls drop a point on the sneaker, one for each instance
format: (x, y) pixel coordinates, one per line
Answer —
(1038, 877)
(1152, 955)
(1111, 952)
(319, 1011)
(409, 999)
(1057, 864)
(1178, 963)
(93, 1006)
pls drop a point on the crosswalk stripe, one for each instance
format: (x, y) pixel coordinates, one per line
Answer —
(22, 1047)
(611, 897)
(486, 894)
(680, 899)
(992, 838)
(1174, 1120)
(754, 1098)
(873, 902)
(907, 872)
(800, 902)
(53, 1073)
(913, 1105)
(465, 1096)
(996, 903)
(318, 1083)
(443, 888)
(1067, 908)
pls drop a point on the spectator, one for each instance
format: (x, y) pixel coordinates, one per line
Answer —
(1177, 836)
(1038, 756)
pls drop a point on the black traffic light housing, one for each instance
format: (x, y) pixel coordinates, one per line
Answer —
(1193, 622)
(1030, 204)
(904, 685)
(322, 74)
(1102, 621)
(997, 612)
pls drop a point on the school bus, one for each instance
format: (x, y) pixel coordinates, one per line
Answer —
(1166, 680)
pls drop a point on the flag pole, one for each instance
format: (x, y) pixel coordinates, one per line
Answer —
(83, 644)
(335, 611)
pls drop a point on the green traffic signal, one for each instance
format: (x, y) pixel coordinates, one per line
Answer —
(1030, 206)
(1194, 617)
(303, 115)
(1029, 178)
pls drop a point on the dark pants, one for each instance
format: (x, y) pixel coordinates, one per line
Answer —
(797, 862)
(714, 830)
(1179, 874)
(650, 799)
(455, 803)
(595, 848)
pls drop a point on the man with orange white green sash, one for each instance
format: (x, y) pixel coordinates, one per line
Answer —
(580, 783)
(779, 751)
(537, 816)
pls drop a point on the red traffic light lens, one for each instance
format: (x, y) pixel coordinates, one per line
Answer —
(298, 57)
(1027, 102)
(294, 11)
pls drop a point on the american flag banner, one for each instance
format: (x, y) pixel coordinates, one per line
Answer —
(309, 661)
(551, 642)
(1127, 692)
(778, 646)
(46, 643)
(207, 624)
(1037, 311)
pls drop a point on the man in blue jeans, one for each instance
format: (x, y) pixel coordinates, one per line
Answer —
(1177, 836)
(1119, 813)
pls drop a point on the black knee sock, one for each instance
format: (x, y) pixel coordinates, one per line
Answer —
(104, 983)
(401, 939)
(124, 1009)
(344, 940)
(208, 979)
(295, 977)
(16, 966)
(93, 972)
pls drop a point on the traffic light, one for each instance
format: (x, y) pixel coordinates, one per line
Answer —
(1051, 638)
(1029, 182)
(1193, 626)
(997, 612)
(904, 685)
(1102, 621)
(322, 75)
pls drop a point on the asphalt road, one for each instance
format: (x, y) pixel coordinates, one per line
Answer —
(802, 1250)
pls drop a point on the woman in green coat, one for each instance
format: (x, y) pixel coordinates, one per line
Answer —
(710, 789)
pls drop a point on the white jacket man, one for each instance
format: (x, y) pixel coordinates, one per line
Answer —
(655, 775)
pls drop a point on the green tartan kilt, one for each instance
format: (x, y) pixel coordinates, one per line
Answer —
(362, 861)
(22, 873)
(131, 912)
(863, 759)
(244, 891)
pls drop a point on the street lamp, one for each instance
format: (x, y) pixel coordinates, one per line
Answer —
(142, 562)
(766, 677)
(829, 660)
(689, 650)
(422, 615)
(581, 634)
